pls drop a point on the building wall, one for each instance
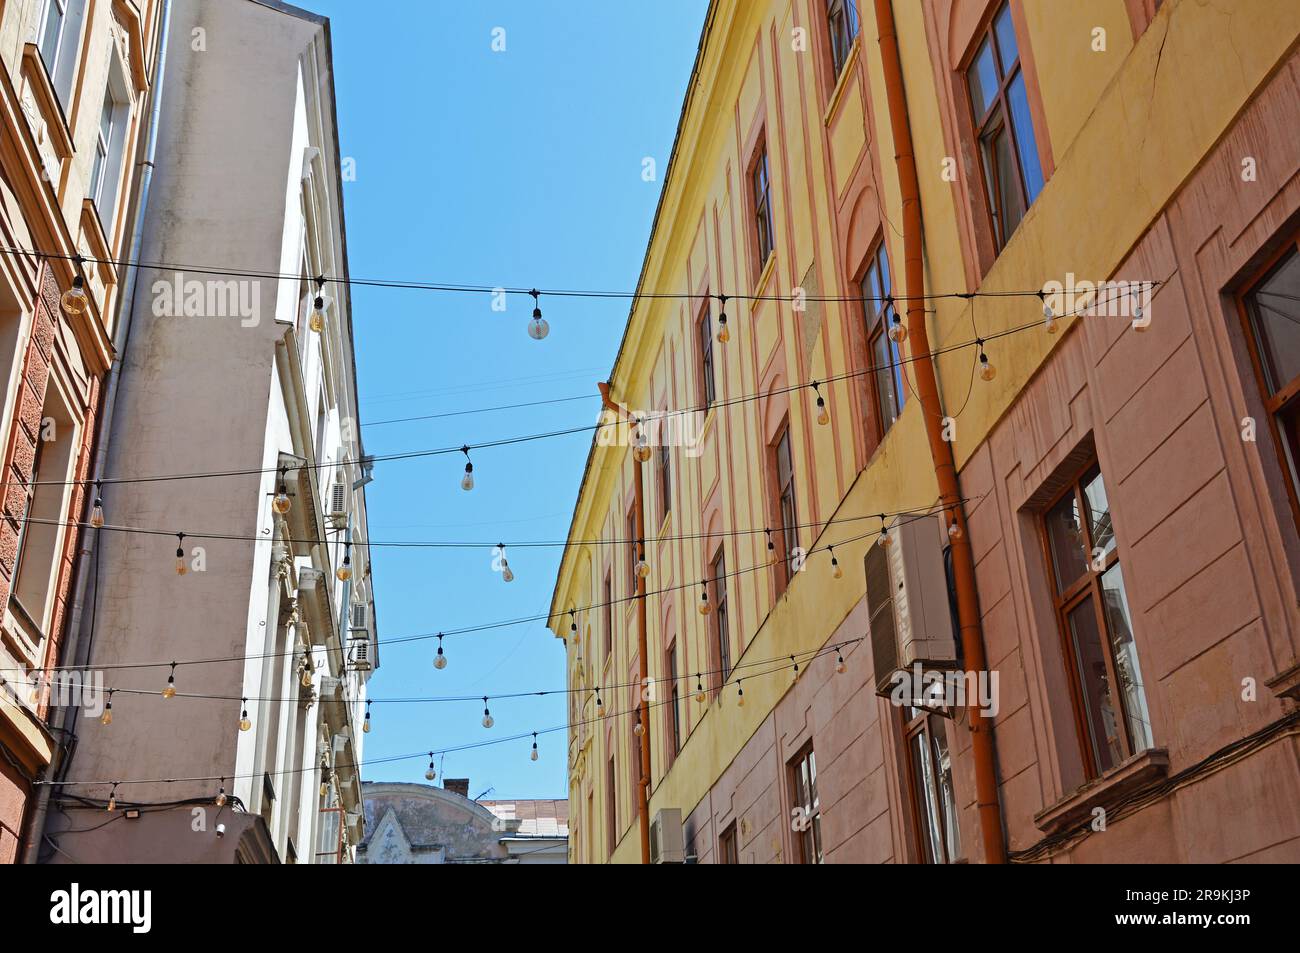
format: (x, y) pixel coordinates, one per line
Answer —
(247, 178)
(1141, 146)
(52, 362)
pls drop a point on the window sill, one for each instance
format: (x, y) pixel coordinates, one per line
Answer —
(1105, 791)
(764, 275)
(837, 94)
(46, 101)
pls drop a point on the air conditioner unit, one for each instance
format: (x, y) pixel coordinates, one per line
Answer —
(907, 601)
(359, 653)
(360, 618)
(338, 502)
(667, 842)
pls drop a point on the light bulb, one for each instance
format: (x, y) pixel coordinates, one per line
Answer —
(467, 481)
(107, 717)
(1050, 324)
(987, 370)
(74, 300)
(306, 678)
(723, 334)
(344, 572)
(699, 689)
(431, 773)
(897, 331)
(181, 568)
(317, 320)
(636, 729)
(538, 328)
(365, 724)
(324, 789)
(836, 571)
(488, 720)
(600, 706)
(823, 415)
(440, 660)
(533, 755)
(244, 722)
(112, 799)
(1047, 309)
(740, 696)
(705, 606)
(506, 574)
(884, 538)
(220, 800)
(282, 504)
(641, 452)
(642, 569)
(954, 530)
(170, 690)
(839, 663)
(97, 514)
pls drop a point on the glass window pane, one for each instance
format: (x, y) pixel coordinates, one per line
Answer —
(1022, 125)
(983, 80)
(1006, 34)
(947, 799)
(1100, 708)
(928, 797)
(1065, 539)
(1127, 670)
(1276, 309)
(1003, 184)
(886, 395)
(1100, 529)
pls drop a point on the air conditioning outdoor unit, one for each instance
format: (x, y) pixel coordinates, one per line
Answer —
(907, 601)
(359, 618)
(338, 503)
(667, 843)
(359, 653)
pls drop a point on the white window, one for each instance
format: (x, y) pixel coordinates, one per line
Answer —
(60, 31)
(110, 146)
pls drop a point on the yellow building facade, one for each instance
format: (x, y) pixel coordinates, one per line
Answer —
(1051, 140)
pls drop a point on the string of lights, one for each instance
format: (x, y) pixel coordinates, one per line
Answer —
(898, 331)
(704, 606)
(602, 716)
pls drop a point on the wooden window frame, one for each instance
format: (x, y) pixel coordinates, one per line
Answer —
(611, 805)
(838, 53)
(762, 219)
(708, 381)
(609, 613)
(673, 744)
(812, 809)
(1064, 602)
(1279, 398)
(728, 848)
(997, 115)
(875, 327)
(922, 724)
(663, 477)
(785, 526)
(719, 620)
(634, 546)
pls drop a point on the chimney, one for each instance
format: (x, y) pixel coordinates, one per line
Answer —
(456, 786)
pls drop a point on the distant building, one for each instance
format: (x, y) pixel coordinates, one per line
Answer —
(423, 824)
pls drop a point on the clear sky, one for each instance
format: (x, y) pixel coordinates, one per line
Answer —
(514, 168)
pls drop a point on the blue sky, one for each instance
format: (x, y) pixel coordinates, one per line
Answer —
(514, 168)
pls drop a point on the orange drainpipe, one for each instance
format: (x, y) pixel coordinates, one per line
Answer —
(642, 789)
(945, 468)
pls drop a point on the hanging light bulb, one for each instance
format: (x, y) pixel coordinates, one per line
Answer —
(467, 481)
(324, 778)
(823, 415)
(431, 773)
(636, 728)
(796, 666)
(365, 724)
(642, 567)
(244, 722)
(600, 705)
(170, 690)
(954, 528)
(723, 334)
(112, 798)
(885, 539)
(74, 300)
(987, 370)
(281, 503)
(306, 674)
(507, 575)
(699, 688)
(220, 799)
(705, 606)
(440, 660)
(488, 720)
(537, 327)
(1049, 316)
(181, 568)
(771, 546)
(836, 571)
(317, 319)
(97, 511)
(1138, 324)
(740, 695)
(107, 717)
(839, 662)
(344, 572)
(897, 330)
(533, 755)
(573, 626)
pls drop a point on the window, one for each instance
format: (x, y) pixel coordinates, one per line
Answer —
(721, 636)
(727, 853)
(925, 736)
(704, 330)
(842, 24)
(665, 479)
(1271, 309)
(787, 518)
(110, 145)
(60, 33)
(633, 548)
(882, 352)
(1013, 174)
(674, 706)
(762, 201)
(807, 821)
(611, 806)
(608, 612)
(1096, 629)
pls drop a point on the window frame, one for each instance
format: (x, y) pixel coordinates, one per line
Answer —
(784, 496)
(998, 116)
(663, 477)
(875, 327)
(1065, 600)
(707, 370)
(728, 847)
(1279, 398)
(762, 226)
(810, 838)
(719, 620)
(674, 726)
(922, 724)
(840, 53)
